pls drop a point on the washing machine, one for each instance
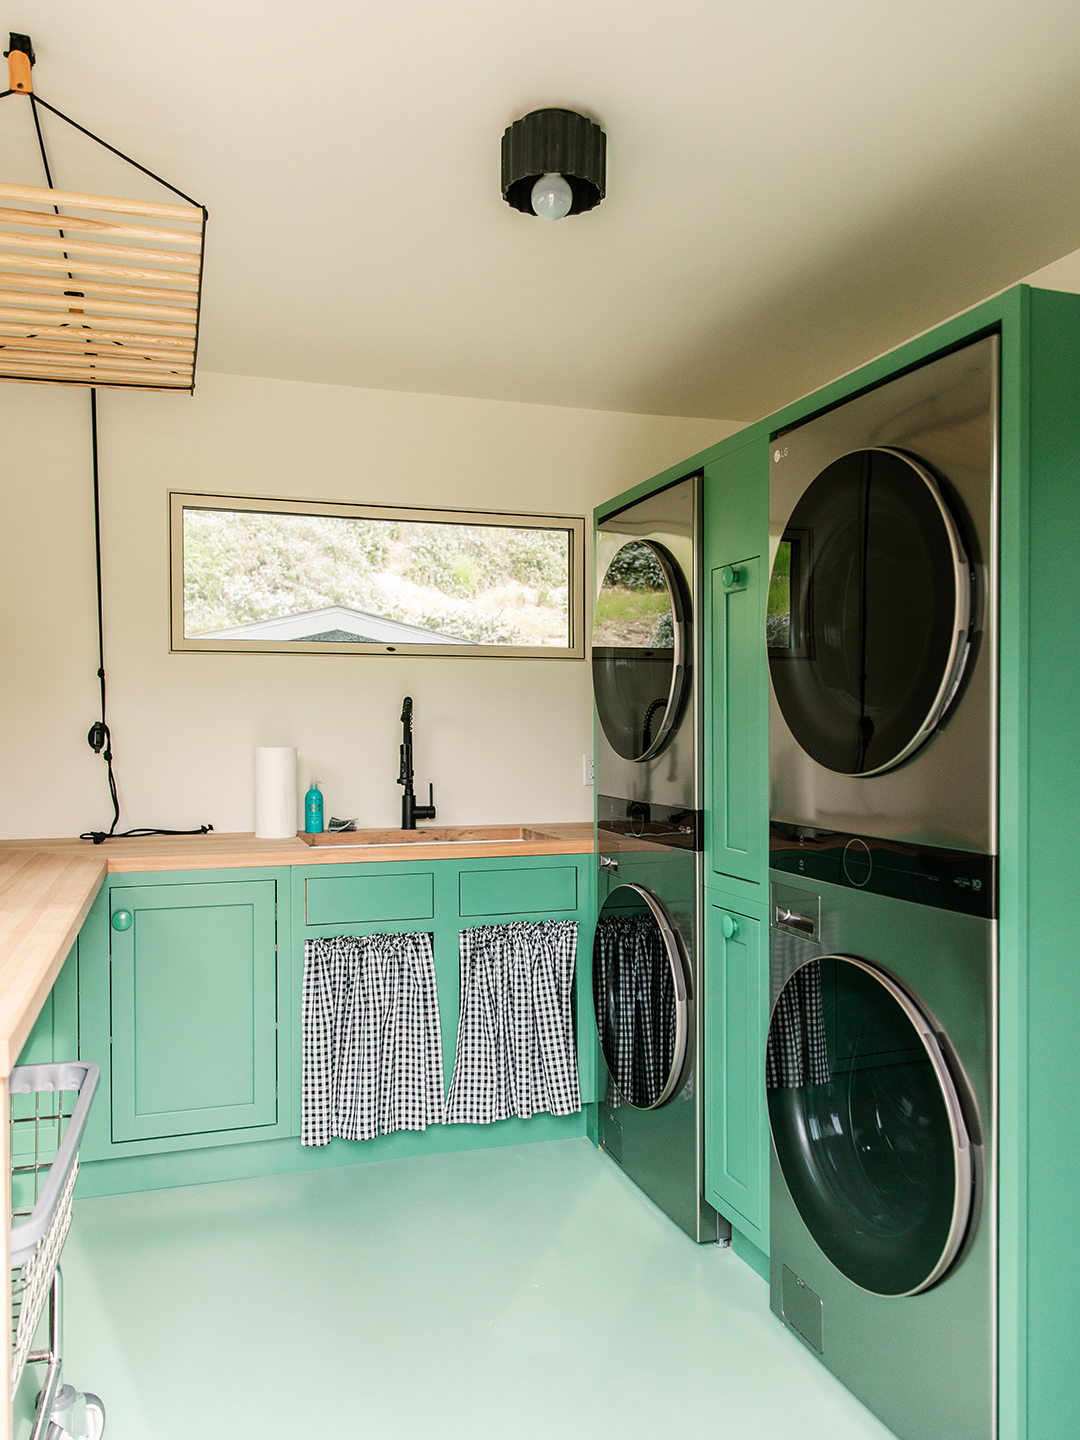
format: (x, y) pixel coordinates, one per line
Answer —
(882, 606)
(882, 650)
(646, 952)
(880, 1079)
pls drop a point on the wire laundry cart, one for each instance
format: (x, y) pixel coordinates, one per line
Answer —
(49, 1109)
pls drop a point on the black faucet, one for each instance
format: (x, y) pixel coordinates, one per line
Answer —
(410, 811)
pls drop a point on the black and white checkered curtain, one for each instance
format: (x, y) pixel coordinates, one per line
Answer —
(636, 1005)
(797, 1053)
(515, 1044)
(372, 1047)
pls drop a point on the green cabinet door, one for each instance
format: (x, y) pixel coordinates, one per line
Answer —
(737, 735)
(736, 1122)
(193, 1008)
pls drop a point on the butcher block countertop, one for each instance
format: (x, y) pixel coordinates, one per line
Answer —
(48, 886)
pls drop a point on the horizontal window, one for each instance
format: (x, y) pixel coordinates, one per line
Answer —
(306, 577)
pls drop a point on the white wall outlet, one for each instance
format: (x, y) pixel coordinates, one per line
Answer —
(588, 775)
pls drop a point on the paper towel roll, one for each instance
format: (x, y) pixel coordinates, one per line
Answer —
(276, 805)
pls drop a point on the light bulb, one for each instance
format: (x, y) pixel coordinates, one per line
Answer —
(552, 196)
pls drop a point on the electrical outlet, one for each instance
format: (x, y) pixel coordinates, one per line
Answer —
(588, 775)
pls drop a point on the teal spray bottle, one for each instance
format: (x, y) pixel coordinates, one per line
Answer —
(313, 808)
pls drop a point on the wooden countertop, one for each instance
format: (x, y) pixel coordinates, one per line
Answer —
(44, 899)
(231, 852)
(48, 886)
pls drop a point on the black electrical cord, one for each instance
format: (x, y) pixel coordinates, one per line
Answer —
(99, 736)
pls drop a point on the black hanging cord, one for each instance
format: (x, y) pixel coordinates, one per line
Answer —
(41, 145)
(37, 100)
(99, 737)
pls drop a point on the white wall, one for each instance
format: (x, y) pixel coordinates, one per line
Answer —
(501, 739)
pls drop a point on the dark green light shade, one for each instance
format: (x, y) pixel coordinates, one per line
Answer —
(554, 140)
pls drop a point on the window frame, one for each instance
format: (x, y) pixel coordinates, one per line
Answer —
(574, 525)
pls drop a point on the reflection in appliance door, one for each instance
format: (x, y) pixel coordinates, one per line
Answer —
(867, 1125)
(641, 650)
(869, 613)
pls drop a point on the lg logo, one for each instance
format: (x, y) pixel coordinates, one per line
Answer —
(779, 455)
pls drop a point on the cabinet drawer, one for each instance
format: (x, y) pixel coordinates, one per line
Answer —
(368, 899)
(516, 891)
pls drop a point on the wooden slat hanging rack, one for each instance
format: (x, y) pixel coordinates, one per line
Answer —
(67, 332)
(96, 290)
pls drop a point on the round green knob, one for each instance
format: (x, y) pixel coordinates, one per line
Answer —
(122, 920)
(729, 576)
(730, 927)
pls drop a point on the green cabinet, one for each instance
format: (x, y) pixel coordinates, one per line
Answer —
(736, 687)
(194, 1009)
(185, 1004)
(185, 987)
(736, 1122)
(738, 741)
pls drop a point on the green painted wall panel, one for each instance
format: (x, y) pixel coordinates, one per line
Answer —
(368, 899)
(1053, 800)
(194, 1010)
(520, 891)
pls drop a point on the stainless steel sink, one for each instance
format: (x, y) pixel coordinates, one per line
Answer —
(433, 835)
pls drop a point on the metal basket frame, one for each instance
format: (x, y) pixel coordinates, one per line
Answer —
(38, 1237)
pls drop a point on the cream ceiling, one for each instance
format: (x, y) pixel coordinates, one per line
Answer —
(793, 188)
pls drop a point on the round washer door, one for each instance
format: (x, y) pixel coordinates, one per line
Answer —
(867, 1125)
(641, 650)
(869, 613)
(640, 996)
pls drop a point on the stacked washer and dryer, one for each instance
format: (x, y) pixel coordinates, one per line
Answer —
(881, 1056)
(646, 954)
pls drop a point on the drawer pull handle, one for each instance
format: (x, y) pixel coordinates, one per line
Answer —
(121, 920)
(730, 926)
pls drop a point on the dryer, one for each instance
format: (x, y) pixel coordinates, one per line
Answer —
(646, 952)
(882, 610)
(881, 1097)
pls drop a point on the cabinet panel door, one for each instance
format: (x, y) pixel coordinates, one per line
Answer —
(736, 1121)
(737, 738)
(368, 899)
(193, 1009)
(518, 891)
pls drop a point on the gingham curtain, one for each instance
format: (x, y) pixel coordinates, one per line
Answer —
(797, 1054)
(515, 1045)
(372, 1047)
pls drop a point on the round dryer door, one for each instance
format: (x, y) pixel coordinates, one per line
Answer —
(869, 610)
(641, 650)
(641, 996)
(867, 1125)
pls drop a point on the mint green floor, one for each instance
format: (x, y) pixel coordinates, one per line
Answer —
(504, 1294)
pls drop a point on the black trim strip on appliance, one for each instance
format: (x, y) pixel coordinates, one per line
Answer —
(673, 825)
(924, 874)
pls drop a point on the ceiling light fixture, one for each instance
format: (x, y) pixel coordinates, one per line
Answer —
(553, 164)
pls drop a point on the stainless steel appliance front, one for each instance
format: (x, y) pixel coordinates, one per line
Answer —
(647, 955)
(935, 430)
(900, 1198)
(650, 1117)
(668, 521)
